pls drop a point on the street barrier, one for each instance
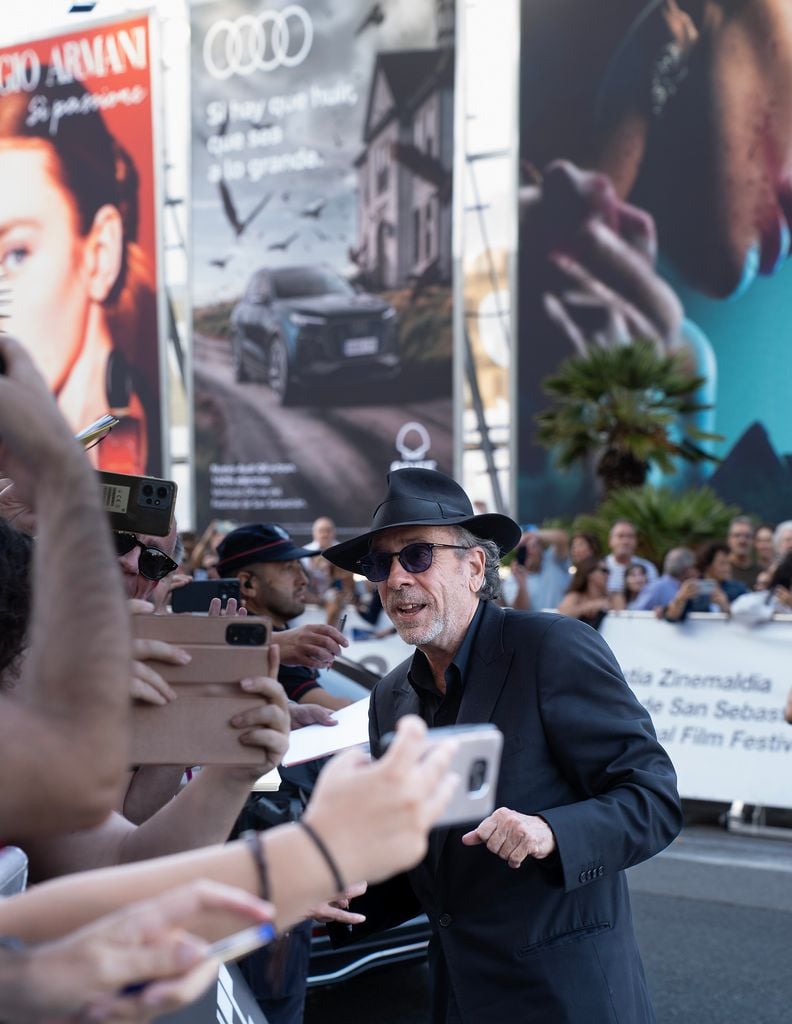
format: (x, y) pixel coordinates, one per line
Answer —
(716, 691)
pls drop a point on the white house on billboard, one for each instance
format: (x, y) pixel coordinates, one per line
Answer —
(405, 170)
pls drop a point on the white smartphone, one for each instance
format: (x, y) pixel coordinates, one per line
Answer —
(477, 763)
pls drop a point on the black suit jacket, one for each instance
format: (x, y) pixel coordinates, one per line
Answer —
(553, 941)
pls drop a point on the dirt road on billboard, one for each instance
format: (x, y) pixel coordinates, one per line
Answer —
(343, 448)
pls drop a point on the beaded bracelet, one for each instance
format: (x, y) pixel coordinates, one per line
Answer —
(253, 842)
(322, 848)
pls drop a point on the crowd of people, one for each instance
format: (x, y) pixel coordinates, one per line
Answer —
(135, 870)
(746, 575)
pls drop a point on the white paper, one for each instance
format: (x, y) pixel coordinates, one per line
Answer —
(314, 741)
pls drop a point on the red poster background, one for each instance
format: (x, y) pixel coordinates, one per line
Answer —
(131, 125)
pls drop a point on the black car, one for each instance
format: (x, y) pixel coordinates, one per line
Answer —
(300, 325)
(407, 941)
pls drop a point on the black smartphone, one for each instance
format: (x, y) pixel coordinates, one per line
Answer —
(138, 504)
(196, 596)
(522, 554)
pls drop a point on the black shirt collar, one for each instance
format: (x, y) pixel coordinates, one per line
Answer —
(420, 675)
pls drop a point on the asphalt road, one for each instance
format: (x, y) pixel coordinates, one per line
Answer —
(714, 921)
(343, 447)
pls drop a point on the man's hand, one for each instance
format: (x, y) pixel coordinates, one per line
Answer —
(783, 594)
(232, 609)
(688, 589)
(310, 714)
(266, 726)
(162, 592)
(146, 683)
(719, 598)
(313, 646)
(513, 836)
(338, 909)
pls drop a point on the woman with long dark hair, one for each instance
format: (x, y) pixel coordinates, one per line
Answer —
(587, 597)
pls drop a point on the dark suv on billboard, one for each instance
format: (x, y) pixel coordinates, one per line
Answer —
(301, 325)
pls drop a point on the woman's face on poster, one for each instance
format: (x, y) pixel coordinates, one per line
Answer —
(717, 173)
(44, 260)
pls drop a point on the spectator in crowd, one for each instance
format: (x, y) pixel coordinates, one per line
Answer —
(585, 790)
(64, 746)
(187, 539)
(714, 590)
(740, 540)
(583, 545)
(623, 541)
(776, 599)
(587, 596)
(763, 547)
(203, 560)
(539, 571)
(679, 567)
(273, 582)
(782, 539)
(328, 586)
(635, 581)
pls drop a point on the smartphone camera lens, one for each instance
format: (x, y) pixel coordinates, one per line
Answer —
(477, 776)
(148, 490)
(162, 492)
(246, 634)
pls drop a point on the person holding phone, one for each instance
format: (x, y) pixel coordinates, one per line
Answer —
(713, 591)
(529, 907)
(539, 570)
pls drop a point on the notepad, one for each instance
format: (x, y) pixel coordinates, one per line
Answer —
(313, 741)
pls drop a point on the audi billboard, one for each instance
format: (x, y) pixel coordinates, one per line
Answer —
(322, 164)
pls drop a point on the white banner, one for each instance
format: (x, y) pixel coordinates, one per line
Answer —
(716, 692)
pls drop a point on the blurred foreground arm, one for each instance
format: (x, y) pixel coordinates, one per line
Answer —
(64, 743)
(79, 977)
(373, 817)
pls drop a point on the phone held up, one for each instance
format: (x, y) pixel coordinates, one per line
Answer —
(195, 728)
(476, 762)
(197, 596)
(138, 504)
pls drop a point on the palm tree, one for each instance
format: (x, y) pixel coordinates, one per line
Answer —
(662, 518)
(626, 408)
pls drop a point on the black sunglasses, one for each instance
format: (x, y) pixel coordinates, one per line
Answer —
(153, 563)
(415, 557)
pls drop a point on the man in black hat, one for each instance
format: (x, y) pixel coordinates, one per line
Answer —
(273, 582)
(529, 908)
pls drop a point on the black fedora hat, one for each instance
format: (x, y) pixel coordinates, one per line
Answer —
(425, 497)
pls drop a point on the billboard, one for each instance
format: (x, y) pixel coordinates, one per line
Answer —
(78, 250)
(321, 216)
(668, 220)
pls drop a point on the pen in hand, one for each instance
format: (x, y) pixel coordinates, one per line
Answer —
(342, 623)
(232, 947)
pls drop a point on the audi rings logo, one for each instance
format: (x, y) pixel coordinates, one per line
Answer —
(258, 42)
